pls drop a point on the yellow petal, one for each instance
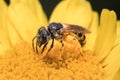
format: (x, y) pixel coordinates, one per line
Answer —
(111, 62)
(4, 41)
(25, 17)
(3, 48)
(106, 34)
(73, 11)
(118, 32)
(91, 38)
(117, 76)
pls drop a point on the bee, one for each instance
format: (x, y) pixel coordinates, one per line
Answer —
(58, 31)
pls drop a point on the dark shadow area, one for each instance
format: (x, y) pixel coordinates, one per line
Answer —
(7, 2)
(97, 5)
(48, 6)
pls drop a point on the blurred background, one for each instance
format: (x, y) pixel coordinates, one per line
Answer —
(97, 5)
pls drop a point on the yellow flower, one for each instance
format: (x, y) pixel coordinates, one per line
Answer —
(4, 43)
(17, 18)
(20, 21)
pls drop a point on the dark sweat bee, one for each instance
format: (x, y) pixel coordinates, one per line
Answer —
(58, 31)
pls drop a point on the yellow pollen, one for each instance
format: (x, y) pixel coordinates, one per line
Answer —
(21, 63)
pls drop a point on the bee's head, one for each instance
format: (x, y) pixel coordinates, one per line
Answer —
(42, 36)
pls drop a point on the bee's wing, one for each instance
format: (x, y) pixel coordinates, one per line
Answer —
(74, 29)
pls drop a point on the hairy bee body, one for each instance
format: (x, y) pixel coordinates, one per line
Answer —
(58, 31)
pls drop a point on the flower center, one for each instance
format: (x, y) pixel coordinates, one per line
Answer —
(22, 63)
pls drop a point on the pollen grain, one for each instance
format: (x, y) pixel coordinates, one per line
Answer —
(22, 63)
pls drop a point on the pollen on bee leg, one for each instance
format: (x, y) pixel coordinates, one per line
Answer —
(71, 49)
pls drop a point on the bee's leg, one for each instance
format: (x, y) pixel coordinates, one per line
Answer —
(33, 43)
(61, 41)
(82, 40)
(44, 47)
(51, 45)
(37, 46)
